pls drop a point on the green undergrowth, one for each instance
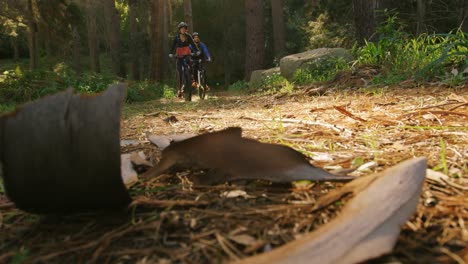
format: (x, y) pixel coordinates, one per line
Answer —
(399, 56)
(320, 70)
(425, 57)
(18, 86)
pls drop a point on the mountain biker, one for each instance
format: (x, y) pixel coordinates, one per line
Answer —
(199, 61)
(181, 48)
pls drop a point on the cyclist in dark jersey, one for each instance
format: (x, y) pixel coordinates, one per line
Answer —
(204, 56)
(181, 48)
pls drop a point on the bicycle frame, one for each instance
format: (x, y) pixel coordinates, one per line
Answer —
(184, 80)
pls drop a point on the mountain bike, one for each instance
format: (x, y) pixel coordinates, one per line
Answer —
(201, 74)
(185, 83)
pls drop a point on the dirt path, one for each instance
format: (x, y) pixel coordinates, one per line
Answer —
(210, 224)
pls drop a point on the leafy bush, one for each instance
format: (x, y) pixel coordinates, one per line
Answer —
(276, 82)
(238, 86)
(402, 56)
(320, 70)
(146, 90)
(324, 32)
(6, 108)
(19, 87)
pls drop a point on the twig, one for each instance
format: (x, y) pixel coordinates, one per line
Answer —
(457, 106)
(166, 203)
(336, 128)
(440, 105)
(442, 112)
(349, 114)
(225, 245)
(452, 255)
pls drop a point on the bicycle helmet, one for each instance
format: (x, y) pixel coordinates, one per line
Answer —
(181, 25)
(195, 34)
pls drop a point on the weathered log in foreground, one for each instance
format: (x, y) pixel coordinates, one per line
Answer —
(231, 157)
(61, 153)
(368, 225)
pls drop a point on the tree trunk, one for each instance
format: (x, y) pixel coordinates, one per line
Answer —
(134, 40)
(76, 51)
(227, 42)
(364, 19)
(115, 45)
(14, 45)
(279, 34)
(157, 27)
(188, 14)
(48, 43)
(32, 36)
(165, 38)
(255, 38)
(463, 15)
(421, 10)
(93, 41)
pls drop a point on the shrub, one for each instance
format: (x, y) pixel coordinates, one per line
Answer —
(402, 56)
(320, 70)
(146, 90)
(276, 82)
(238, 86)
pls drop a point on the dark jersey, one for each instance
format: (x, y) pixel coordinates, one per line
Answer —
(182, 41)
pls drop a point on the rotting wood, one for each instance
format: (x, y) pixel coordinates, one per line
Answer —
(230, 157)
(71, 144)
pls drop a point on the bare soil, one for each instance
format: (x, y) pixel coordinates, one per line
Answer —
(174, 221)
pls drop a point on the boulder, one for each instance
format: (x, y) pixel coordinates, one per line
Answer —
(290, 64)
(258, 76)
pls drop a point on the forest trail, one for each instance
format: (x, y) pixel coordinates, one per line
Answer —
(174, 221)
(379, 128)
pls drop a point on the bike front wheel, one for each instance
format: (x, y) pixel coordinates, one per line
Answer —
(187, 85)
(202, 86)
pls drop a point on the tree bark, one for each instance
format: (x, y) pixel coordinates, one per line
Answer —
(76, 51)
(279, 34)
(227, 42)
(32, 36)
(157, 28)
(364, 19)
(188, 14)
(165, 36)
(421, 10)
(463, 14)
(134, 40)
(93, 40)
(14, 45)
(115, 45)
(48, 43)
(255, 38)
